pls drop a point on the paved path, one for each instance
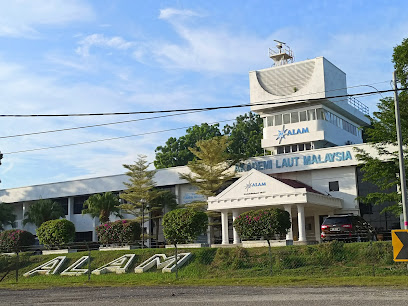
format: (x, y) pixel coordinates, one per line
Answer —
(181, 296)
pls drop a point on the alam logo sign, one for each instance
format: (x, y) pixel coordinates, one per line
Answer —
(286, 132)
(119, 266)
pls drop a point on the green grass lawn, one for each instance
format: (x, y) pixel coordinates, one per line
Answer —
(329, 264)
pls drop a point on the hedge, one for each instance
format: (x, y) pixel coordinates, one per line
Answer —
(56, 232)
(183, 225)
(15, 239)
(119, 232)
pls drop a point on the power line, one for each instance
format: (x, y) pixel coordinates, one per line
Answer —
(95, 125)
(107, 139)
(269, 102)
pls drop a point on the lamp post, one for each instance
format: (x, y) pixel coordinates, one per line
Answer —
(400, 154)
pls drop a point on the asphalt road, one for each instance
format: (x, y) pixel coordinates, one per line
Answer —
(181, 296)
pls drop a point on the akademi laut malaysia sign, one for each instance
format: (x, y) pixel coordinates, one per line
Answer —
(302, 160)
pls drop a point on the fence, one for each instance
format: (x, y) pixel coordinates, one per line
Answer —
(333, 259)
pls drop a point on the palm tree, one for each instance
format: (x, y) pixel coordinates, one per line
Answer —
(43, 210)
(102, 206)
(6, 215)
(166, 200)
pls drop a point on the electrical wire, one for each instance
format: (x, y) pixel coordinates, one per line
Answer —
(262, 103)
(95, 125)
(107, 139)
(134, 120)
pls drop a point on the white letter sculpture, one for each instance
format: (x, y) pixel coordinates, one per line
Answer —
(75, 268)
(161, 261)
(50, 267)
(119, 265)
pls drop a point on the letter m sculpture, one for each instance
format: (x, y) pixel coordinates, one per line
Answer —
(161, 261)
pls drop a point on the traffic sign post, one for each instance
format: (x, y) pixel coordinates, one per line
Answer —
(400, 245)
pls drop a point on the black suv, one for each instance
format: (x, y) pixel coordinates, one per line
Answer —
(347, 228)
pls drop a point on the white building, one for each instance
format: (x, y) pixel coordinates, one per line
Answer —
(310, 168)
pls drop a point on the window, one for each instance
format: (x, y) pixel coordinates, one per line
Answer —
(303, 116)
(311, 114)
(320, 114)
(280, 150)
(79, 204)
(308, 146)
(83, 236)
(294, 117)
(269, 121)
(287, 149)
(294, 148)
(286, 118)
(278, 119)
(334, 186)
(301, 147)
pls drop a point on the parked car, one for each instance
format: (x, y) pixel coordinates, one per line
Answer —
(347, 228)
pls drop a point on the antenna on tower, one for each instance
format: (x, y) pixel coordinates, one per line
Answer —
(283, 55)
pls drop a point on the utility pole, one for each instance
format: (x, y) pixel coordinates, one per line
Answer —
(400, 154)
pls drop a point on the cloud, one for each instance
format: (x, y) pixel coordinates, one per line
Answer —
(22, 18)
(169, 13)
(99, 40)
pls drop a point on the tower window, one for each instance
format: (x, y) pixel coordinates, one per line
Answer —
(334, 186)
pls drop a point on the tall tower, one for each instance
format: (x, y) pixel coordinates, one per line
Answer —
(298, 103)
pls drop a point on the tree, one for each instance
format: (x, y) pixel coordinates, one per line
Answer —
(165, 200)
(102, 206)
(183, 225)
(383, 170)
(176, 153)
(266, 223)
(245, 136)
(212, 167)
(140, 190)
(43, 210)
(6, 215)
(245, 141)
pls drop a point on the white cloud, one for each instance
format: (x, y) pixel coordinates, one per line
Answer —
(99, 40)
(21, 18)
(168, 13)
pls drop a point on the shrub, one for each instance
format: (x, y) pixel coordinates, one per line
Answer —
(119, 232)
(15, 239)
(184, 225)
(264, 223)
(56, 232)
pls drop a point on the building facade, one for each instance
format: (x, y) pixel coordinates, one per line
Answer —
(311, 128)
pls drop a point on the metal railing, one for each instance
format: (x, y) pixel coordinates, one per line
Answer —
(358, 105)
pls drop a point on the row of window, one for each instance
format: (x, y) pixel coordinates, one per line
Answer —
(309, 115)
(294, 148)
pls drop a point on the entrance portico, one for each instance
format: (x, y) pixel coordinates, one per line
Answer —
(256, 190)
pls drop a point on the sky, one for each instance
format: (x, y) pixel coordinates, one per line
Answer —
(67, 57)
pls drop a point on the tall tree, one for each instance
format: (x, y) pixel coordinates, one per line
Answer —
(212, 167)
(140, 190)
(6, 215)
(176, 153)
(43, 210)
(245, 136)
(102, 206)
(383, 169)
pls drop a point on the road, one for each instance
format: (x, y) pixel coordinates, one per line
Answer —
(208, 296)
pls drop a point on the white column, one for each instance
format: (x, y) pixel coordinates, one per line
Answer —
(95, 224)
(235, 215)
(70, 208)
(25, 209)
(224, 226)
(210, 231)
(301, 222)
(289, 235)
(317, 227)
(177, 193)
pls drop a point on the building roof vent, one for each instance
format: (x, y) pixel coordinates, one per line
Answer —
(283, 55)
